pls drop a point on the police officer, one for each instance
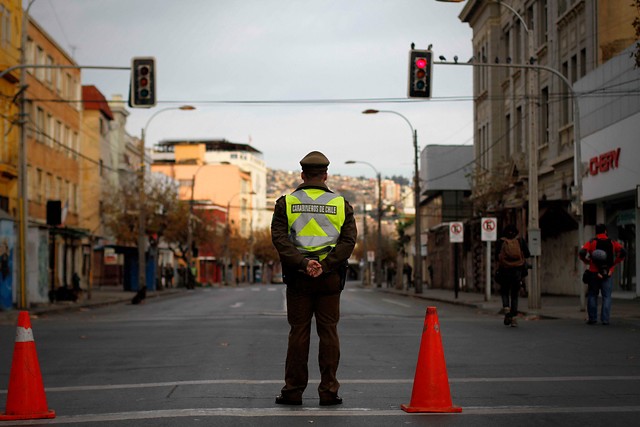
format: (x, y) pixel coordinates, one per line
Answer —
(314, 232)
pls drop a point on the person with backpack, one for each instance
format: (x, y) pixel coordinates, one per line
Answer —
(602, 254)
(511, 252)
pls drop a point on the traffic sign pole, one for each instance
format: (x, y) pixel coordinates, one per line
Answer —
(487, 288)
(489, 233)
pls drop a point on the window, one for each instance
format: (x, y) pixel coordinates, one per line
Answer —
(39, 60)
(507, 136)
(507, 45)
(5, 26)
(517, 45)
(58, 190)
(544, 115)
(48, 131)
(30, 53)
(48, 184)
(57, 135)
(531, 25)
(564, 102)
(39, 185)
(542, 22)
(48, 72)
(40, 124)
(519, 129)
(74, 197)
(74, 145)
(59, 82)
(583, 62)
(67, 142)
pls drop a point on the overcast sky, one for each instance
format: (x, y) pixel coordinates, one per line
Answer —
(224, 55)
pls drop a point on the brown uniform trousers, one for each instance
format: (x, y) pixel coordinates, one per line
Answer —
(308, 297)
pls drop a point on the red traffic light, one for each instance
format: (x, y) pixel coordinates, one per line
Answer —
(419, 84)
(421, 62)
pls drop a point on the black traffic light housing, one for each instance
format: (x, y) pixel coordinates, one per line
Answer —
(420, 71)
(142, 93)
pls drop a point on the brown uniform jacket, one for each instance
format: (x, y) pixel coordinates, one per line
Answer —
(289, 254)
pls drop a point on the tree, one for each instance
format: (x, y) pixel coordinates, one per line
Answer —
(166, 215)
(263, 248)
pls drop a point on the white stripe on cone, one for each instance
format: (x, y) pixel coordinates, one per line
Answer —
(24, 334)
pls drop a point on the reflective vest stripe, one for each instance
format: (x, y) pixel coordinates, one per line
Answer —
(321, 218)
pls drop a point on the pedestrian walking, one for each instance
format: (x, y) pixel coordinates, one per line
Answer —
(601, 254)
(407, 270)
(314, 232)
(511, 253)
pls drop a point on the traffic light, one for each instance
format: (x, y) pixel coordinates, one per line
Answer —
(420, 67)
(142, 93)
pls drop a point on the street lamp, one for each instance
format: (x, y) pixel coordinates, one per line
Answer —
(190, 219)
(379, 237)
(228, 234)
(416, 189)
(142, 274)
(533, 223)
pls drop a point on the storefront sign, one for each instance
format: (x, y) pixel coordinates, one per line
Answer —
(604, 162)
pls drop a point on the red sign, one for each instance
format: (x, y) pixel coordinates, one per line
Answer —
(604, 162)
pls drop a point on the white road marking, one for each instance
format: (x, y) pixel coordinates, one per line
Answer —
(316, 412)
(342, 381)
(396, 303)
(237, 305)
(323, 412)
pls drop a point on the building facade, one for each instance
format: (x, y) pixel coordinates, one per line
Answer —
(611, 159)
(98, 163)
(10, 34)
(525, 126)
(222, 194)
(54, 125)
(212, 152)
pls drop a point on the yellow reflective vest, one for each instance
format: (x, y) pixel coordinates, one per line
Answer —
(315, 218)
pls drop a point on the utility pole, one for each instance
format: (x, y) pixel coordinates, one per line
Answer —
(417, 268)
(23, 199)
(142, 219)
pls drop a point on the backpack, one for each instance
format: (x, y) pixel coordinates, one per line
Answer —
(607, 246)
(510, 254)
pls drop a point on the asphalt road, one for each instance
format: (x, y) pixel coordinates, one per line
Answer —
(215, 356)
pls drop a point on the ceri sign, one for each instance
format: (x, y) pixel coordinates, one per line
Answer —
(604, 162)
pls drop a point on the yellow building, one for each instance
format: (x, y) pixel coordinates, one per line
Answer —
(53, 164)
(10, 36)
(98, 168)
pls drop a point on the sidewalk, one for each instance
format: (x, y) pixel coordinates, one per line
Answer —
(98, 297)
(624, 306)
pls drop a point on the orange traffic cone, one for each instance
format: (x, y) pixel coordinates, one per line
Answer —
(431, 383)
(25, 398)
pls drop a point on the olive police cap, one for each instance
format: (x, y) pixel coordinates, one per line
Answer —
(315, 160)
